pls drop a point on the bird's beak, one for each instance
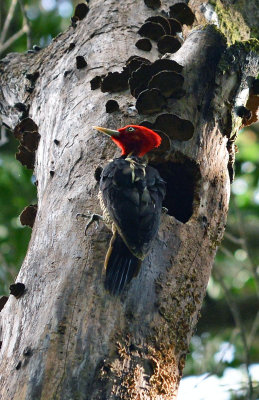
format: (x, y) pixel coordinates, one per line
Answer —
(108, 132)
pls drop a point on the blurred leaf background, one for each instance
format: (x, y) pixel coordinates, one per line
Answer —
(226, 343)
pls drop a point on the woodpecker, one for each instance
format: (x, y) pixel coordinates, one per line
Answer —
(131, 194)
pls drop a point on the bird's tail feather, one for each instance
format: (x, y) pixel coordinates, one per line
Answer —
(121, 265)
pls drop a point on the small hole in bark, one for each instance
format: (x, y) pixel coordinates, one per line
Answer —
(56, 141)
(144, 44)
(20, 107)
(175, 25)
(52, 173)
(27, 352)
(152, 30)
(150, 101)
(71, 46)
(33, 76)
(176, 128)
(28, 215)
(181, 177)
(96, 82)
(112, 106)
(3, 300)
(168, 44)
(66, 73)
(182, 13)
(36, 48)
(1, 342)
(29, 89)
(168, 82)
(80, 62)
(158, 19)
(115, 81)
(17, 289)
(154, 4)
(81, 11)
(18, 366)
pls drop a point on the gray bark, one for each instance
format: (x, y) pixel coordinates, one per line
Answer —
(86, 344)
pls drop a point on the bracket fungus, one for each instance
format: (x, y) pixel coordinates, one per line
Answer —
(158, 19)
(144, 44)
(25, 125)
(140, 78)
(168, 82)
(175, 127)
(154, 4)
(135, 62)
(168, 44)
(175, 25)
(165, 64)
(26, 158)
(27, 133)
(152, 30)
(28, 215)
(115, 81)
(112, 106)
(150, 101)
(182, 13)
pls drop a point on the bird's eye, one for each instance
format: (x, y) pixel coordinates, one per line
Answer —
(130, 129)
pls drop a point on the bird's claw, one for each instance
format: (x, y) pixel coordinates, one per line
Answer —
(92, 218)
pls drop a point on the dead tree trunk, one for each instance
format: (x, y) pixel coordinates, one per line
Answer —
(65, 337)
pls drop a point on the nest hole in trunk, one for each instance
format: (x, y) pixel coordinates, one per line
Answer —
(182, 178)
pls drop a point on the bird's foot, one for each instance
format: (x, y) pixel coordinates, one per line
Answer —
(92, 218)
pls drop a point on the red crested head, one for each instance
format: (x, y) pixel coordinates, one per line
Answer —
(133, 139)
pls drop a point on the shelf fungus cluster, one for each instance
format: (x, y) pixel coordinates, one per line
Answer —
(163, 31)
(153, 84)
(27, 134)
(173, 126)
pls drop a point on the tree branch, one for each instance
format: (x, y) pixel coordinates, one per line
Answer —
(8, 21)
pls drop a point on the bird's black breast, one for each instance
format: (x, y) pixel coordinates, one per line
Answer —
(132, 193)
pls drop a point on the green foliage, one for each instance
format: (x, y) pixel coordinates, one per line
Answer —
(17, 191)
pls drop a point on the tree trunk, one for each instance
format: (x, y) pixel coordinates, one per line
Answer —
(65, 337)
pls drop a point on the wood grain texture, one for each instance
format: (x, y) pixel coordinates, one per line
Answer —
(86, 344)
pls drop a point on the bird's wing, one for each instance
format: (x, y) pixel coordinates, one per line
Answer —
(132, 194)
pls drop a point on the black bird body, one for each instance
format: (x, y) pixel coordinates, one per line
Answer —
(131, 195)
